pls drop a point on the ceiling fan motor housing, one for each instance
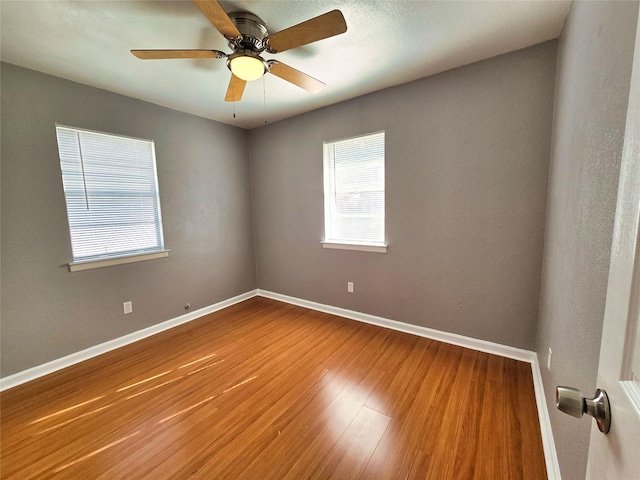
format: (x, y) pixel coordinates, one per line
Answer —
(253, 32)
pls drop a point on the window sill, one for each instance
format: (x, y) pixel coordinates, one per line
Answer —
(109, 262)
(355, 246)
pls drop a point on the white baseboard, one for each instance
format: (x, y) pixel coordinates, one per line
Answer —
(64, 362)
(446, 337)
(548, 444)
(553, 469)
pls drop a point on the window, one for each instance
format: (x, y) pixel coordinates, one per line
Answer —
(354, 193)
(111, 190)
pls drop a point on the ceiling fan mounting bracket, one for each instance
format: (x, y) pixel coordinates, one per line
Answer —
(253, 32)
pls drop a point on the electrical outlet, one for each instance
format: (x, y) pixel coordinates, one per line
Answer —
(127, 307)
(549, 359)
(350, 287)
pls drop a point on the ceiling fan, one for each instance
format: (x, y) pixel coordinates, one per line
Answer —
(247, 36)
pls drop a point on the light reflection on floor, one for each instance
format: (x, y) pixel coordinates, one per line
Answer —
(198, 360)
(208, 399)
(175, 379)
(67, 422)
(156, 386)
(95, 452)
(238, 384)
(103, 402)
(114, 400)
(185, 410)
(356, 427)
(205, 367)
(144, 381)
(64, 410)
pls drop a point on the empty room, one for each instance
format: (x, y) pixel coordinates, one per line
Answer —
(319, 239)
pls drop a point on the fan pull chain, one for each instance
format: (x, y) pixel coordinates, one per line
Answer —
(233, 100)
(264, 95)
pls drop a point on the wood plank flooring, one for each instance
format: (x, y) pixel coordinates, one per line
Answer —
(266, 390)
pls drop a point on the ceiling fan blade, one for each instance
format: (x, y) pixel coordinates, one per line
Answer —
(218, 17)
(294, 76)
(318, 28)
(235, 89)
(165, 54)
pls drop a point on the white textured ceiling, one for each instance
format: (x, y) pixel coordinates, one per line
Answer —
(387, 43)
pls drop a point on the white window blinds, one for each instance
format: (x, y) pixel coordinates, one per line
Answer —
(354, 190)
(111, 190)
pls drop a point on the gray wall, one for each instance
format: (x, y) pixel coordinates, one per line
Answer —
(204, 179)
(594, 69)
(467, 156)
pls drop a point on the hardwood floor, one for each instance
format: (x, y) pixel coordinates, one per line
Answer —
(269, 390)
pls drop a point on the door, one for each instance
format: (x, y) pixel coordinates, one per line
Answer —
(617, 454)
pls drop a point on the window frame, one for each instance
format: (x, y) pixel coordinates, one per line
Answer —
(114, 258)
(343, 244)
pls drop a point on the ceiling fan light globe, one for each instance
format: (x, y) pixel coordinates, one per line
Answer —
(247, 68)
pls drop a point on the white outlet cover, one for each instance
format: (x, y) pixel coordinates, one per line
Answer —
(127, 307)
